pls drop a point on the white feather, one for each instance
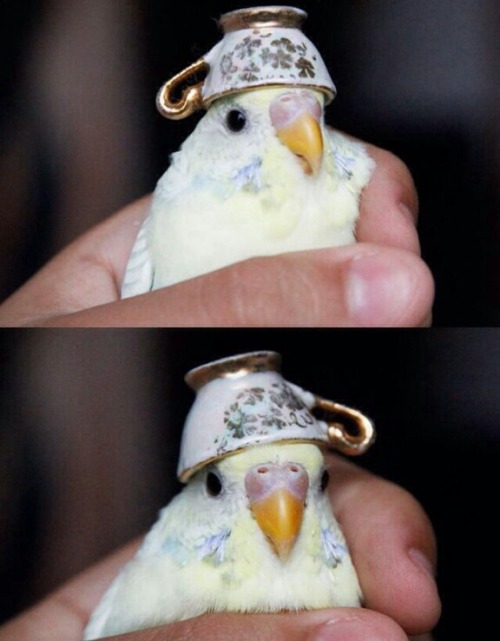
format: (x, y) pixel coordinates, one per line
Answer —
(138, 277)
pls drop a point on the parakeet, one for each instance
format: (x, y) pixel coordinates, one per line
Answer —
(251, 532)
(260, 175)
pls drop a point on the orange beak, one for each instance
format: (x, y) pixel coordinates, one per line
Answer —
(279, 516)
(296, 119)
(277, 494)
(304, 138)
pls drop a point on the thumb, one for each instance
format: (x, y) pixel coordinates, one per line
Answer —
(357, 285)
(346, 624)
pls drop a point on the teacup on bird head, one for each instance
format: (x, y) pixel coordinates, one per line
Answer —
(243, 401)
(261, 47)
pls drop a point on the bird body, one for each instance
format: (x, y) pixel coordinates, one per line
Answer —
(253, 532)
(283, 182)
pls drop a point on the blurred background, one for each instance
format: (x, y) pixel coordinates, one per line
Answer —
(90, 424)
(90, 421)
(80, 135)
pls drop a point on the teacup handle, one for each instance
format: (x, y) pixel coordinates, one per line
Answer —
(340, 437)
(191, 99)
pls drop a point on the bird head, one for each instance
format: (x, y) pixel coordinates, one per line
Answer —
(242, 128)
(269, 488)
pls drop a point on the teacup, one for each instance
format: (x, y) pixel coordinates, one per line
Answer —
(244, 401)
(261, 47)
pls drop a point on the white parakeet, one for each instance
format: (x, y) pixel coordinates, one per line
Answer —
(260, 175)
(252, 532)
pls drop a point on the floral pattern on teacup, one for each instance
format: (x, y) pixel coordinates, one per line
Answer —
(259, 411)
(260, 56)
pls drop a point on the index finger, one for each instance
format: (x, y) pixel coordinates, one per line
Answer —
(64, 614)
(86, 274)
(392, 544)
(389, 204)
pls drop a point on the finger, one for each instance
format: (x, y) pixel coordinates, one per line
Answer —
(63, 615)
(341, 624)
(389, 204)
(392, 544)
(62, 620)
(85, 274)
(359, 285)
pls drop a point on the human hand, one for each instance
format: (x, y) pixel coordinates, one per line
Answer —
(379, 281)
(392, 546)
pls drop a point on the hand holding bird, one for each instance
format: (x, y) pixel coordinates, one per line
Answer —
(379, 281)
(261, 174)
(409, 601)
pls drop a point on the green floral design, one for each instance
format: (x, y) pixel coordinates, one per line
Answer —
(259, 411)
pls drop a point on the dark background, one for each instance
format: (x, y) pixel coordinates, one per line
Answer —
(81, 135)
(91, 421)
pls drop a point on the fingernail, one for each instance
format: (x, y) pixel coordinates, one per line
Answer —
(422, 562)
(379, 289)
(347, 629)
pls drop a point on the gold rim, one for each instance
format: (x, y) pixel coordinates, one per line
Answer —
(187, 473)
(233, 367)
(259, 17)
(328, 92)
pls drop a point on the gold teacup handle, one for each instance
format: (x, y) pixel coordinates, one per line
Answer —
(191, 99)
(340, 437)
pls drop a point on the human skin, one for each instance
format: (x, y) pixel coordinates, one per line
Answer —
(379, 281)
(393, 548)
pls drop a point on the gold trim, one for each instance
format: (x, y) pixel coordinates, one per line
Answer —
(186, 474)
(259, 17)
(340, 437)
(191, 99)
(233, 367)
(327, 91)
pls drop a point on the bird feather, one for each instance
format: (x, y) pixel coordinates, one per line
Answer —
(231, 196)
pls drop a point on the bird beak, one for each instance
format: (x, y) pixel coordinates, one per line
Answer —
(277, 496)
(279, 516)
(296, 118)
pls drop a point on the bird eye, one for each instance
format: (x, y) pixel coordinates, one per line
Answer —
(236, 120)
(213, 484)
(325, 478)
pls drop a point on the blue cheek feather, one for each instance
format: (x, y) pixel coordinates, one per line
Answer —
(334, 550)
(248, 177)
(214, 546)
(344, 163)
